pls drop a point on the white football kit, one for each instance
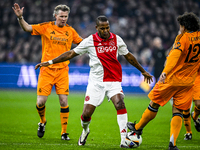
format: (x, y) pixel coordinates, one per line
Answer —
(105, 70)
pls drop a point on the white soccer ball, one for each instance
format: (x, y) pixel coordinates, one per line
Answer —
(133, 140)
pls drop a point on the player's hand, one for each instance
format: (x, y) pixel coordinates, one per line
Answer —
(18, 11)
(43, 64)
(162, 77)
(147, 77)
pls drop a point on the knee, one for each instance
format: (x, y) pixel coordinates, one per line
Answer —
(40, 102)
(120, 105)
(63, 103)
(63, 100)
(154, 105)
(88, 110)
(87, 113)
(197, 103)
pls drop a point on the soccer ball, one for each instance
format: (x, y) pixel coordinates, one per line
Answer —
(133, 140)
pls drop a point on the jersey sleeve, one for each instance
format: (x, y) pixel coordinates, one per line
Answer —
(122, 48)
(82, 48)
(175, 53)
(39, 29)
(172, 60)
(76, 38)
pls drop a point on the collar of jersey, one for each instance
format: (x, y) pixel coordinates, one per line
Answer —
(100, 39)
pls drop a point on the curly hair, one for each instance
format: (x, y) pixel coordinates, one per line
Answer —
(189, 20)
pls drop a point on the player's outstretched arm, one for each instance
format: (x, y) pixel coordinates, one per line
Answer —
(133, 61)
(63, 57)
(19, 13)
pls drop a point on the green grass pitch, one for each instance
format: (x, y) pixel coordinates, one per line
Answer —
(19, 118)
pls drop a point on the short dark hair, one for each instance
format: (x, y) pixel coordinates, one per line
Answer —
(101, 19)
(189, 20)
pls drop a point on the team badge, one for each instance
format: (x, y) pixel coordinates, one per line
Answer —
(87, 98)
(112, 43)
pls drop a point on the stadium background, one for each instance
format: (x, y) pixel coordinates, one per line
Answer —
(137, 22)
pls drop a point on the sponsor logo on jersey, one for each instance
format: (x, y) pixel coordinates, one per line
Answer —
(58, 39)
(52, 32)
(102, 49)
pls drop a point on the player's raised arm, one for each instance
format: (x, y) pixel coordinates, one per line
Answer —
(19, 13)
(133, 61)
(63, 57)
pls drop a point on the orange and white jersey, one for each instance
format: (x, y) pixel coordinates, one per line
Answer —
(55, 40)
(186, 68)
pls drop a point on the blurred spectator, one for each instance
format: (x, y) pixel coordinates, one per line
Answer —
(158, 57)
(137, 22)
(145, 57)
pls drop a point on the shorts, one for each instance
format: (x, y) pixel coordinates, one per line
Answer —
(196, 94)
(162, 93)
(49, 77)
(96, 91)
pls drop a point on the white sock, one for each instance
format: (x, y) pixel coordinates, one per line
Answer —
(122, 121)
(85, 125)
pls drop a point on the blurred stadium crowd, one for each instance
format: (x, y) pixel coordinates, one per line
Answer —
(138, 22)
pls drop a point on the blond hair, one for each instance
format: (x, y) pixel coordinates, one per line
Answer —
(60, 7)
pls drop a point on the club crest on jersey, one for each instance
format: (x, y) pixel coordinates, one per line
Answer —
(102, 49)
(87, 98)
(112, 43)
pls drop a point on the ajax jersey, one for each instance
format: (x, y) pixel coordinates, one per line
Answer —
(104, 66)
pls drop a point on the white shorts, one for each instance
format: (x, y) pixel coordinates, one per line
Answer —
(96, 92)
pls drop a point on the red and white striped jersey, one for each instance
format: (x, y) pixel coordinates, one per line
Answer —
(104, 66)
